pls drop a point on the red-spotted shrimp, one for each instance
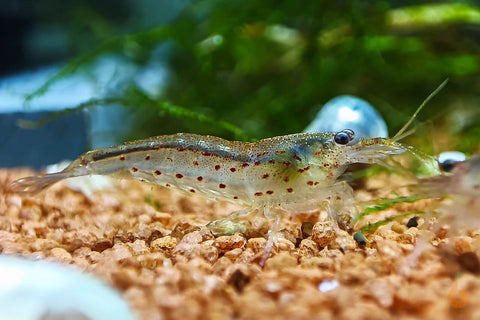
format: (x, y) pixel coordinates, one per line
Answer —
(293, 172)
(282, 172)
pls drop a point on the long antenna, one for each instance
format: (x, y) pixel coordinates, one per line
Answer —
(409, 122)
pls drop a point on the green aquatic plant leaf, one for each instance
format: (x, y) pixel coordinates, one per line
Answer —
(433, 15)
(389, 219)
(384, 204)
(29, 124)
(180, 112)
(134, 98)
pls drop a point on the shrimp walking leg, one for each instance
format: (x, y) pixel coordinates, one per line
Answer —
(271, 235)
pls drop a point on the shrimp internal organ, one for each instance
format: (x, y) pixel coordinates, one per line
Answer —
(274, 172)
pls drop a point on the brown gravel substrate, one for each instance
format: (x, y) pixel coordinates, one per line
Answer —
(152, 245)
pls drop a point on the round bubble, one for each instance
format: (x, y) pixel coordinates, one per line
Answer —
(456, 156)
(349, 112)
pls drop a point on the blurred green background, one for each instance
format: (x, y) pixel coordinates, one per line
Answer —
(253, 69)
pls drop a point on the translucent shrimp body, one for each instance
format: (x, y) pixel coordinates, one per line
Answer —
(463, 180)
(276, 172)
(462, 186)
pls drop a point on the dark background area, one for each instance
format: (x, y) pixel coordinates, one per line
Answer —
(38, 148)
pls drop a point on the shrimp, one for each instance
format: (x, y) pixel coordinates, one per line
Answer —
(293, 173)
(462, 185)
(276, 172)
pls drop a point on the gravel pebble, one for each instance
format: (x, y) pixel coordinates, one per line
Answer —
(165, 243)
(323, 233)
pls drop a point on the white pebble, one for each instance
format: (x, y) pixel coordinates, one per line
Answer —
(326, 286)
(31, 290)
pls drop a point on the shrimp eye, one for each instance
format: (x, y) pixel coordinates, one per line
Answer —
(344, 136)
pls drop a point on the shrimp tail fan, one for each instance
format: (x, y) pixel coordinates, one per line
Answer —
(35, 184)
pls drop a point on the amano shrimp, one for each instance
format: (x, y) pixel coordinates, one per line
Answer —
(293, 172)
(278, 172)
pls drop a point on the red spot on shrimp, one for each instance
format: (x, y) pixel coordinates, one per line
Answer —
(179, 176)
(336, 165)
(257, 163)
(258, 194)
(167, 185)
(265, 176)
(195, 163)
(326, 165)
(304, 169)
(289, 190)
(286, 179)
(168, 158)
(339, 198)
(287, 163)
(206, 154)
(192, 190)
(271, 161)
(122, 158)
(222, 186)
(134, 169)
(235, 197)
(156, 148)
(316, 183)
(199, 178)
(269, 192)
(147, 158)
(217, 167)
(181, 149)
(297, 157)
(279, 151)
(158, 172)
(316, 153)
(262, 154)
(310, 183)
(245, 165)
(233, 169)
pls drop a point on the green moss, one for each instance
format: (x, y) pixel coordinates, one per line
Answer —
(248, 70)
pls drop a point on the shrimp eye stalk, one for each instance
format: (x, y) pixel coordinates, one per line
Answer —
(344, 137)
